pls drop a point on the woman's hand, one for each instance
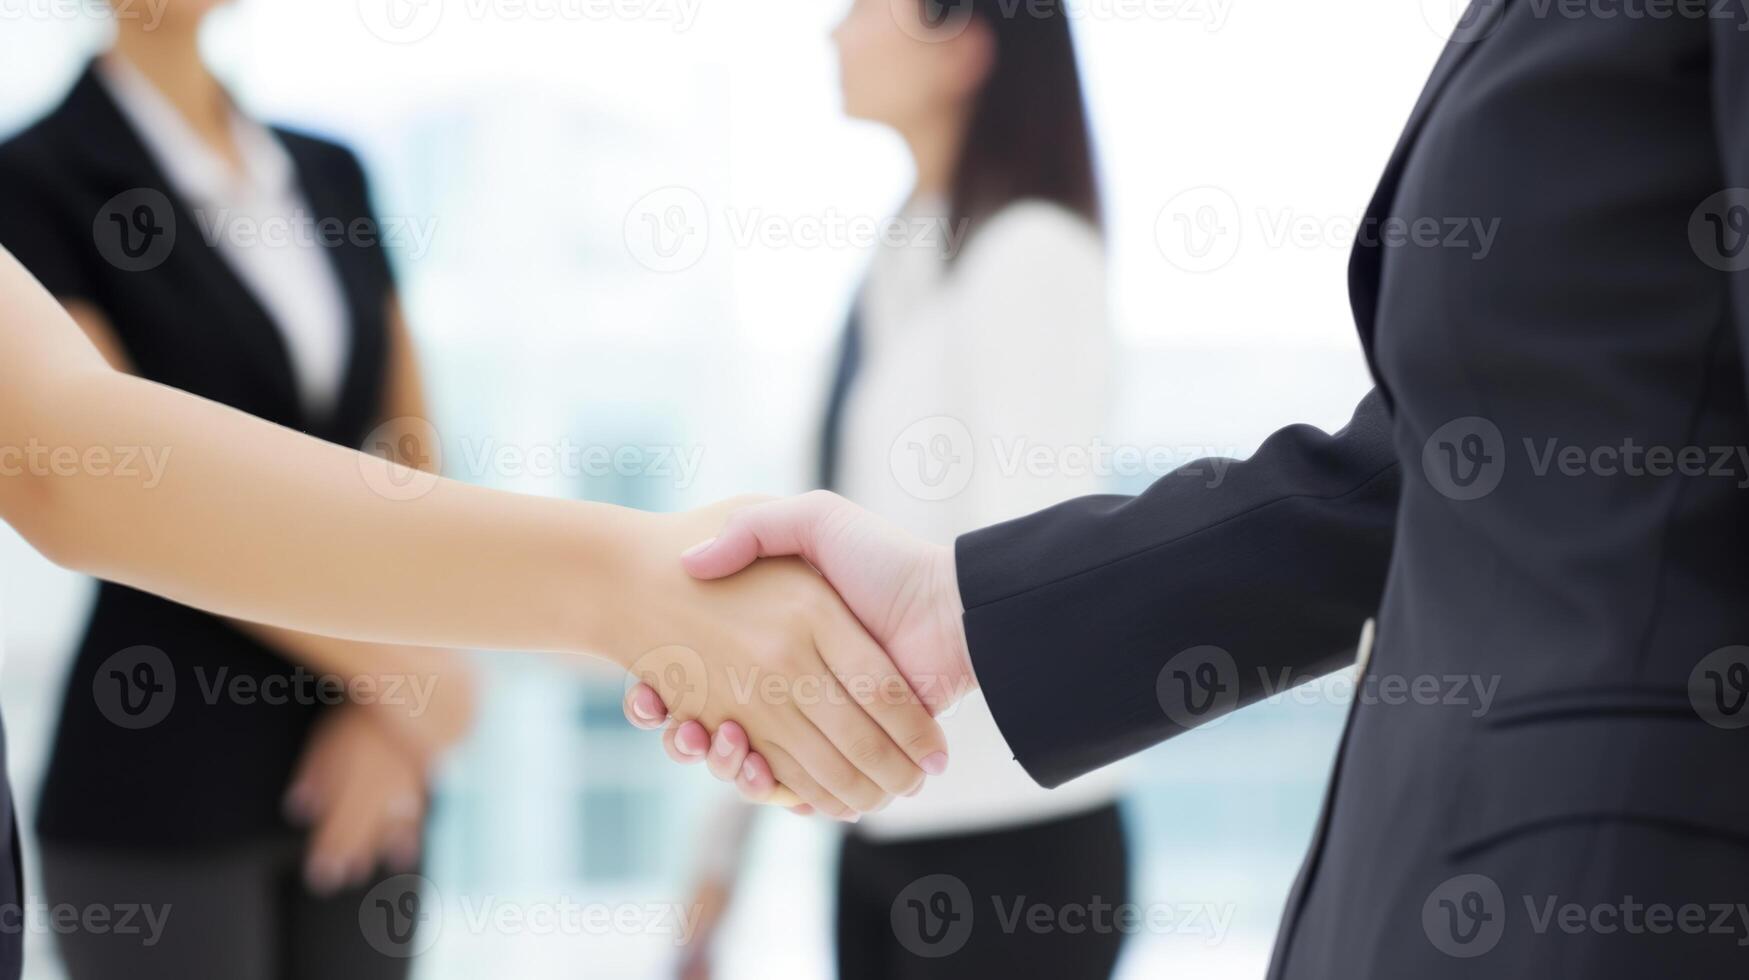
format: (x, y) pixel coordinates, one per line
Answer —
(433, 708)
(776, 651)
(363, 796)
(904, 590)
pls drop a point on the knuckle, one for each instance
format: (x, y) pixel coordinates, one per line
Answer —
(837, 778)
(869, 752)
(869, 798)
(893, 691)
(920, 739)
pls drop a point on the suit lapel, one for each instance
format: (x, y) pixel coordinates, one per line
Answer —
(115, 158)
(360, 395)
(1366, 261)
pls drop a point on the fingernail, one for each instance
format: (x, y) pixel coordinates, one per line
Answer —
(747, 771)
(724, 748)
(934, 763)
(644, 711)
(699, 548)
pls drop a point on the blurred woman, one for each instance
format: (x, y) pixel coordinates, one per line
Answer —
(972, 379)
(244, 265)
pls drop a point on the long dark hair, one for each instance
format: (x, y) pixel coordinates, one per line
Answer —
(1027, 136)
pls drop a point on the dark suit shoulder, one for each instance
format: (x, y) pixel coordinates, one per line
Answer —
(33, 150)
(323, 159)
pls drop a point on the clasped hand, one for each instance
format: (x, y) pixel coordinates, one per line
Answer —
(837, 700)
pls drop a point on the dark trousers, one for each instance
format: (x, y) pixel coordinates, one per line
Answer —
(1031, 901)
(240, 912)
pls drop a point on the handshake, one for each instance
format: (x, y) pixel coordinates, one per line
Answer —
(810, 648)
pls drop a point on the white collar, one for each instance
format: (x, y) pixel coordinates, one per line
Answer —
(195, 171)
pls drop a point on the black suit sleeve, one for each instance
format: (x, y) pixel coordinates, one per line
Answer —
(1720, 225)
(1105, 625)
(376, 253)
(52, 244)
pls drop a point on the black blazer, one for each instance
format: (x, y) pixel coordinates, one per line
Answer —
(214, 766)
(1608, 766)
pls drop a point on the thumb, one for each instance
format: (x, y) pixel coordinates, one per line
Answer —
(768, 530)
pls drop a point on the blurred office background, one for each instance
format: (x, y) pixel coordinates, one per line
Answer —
(631, 224)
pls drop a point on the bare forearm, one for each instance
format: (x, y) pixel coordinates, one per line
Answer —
(261, 523)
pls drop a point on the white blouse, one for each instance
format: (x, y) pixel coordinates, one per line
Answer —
(979, 381)
(258, 221)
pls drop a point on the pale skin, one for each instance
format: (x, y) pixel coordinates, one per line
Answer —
(361, 785)
(257, 522)
(924, 88)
